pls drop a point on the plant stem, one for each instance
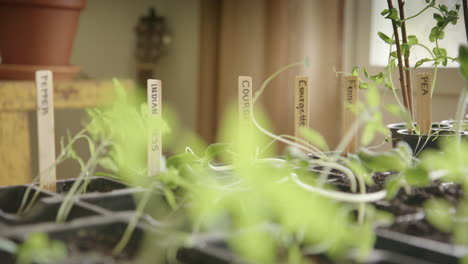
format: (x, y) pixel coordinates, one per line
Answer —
(341, 196)
(131, 226)
(400, 59)
(409, 89)
(461, 108)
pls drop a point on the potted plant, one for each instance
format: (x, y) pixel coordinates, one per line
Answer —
(36, 35)
(400, 46)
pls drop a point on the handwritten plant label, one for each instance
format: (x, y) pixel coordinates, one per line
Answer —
(245, 100)
(45, 129)
(349, 116)
(154, 134)
(301, 104)
(424, 102)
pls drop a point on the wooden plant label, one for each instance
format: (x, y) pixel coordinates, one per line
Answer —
(301, 104)
(154, 135)
(349, 116)
(424, 102)
(245, 100)
(45, 129)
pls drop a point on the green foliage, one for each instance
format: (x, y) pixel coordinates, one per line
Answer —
(463, 59)
(125, 125)
(314, 137)
(39, 249)
(440, 214)
(386, 38)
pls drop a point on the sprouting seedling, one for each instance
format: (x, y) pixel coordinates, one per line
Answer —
(38, 248)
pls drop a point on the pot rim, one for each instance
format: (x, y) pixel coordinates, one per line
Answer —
(405, 132)
(396, 125)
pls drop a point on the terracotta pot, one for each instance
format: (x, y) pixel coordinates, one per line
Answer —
(38, 32)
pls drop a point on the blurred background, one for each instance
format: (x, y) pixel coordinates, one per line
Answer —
(206, 44)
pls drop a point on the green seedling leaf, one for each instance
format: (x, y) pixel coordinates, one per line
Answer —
(39, 249)
(439, 18)
(373, 97)
(383, 161)
(384, 12)
(368, 134)
(354, 72)
(393, 185)
(364, 70)
(420, 62)
(389, 86)
(386, 38)
(364, 85)
(440, 52)
(214, 150)
(405, 50)
(393, 15)
(393, 109)
(434, 34)
(438, 213)
(394, 54)
(314, 137)
(412, 40)
(417, 176)
(443, 8)
(463, 60)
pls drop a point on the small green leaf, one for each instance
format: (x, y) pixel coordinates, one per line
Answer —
(392, 186)
(354, 72)
(365, 72)
(314, 137)
(405, 50)
(420, 62)
(393, 15)
(463, 59)
(384, 12)
(412, 40)
(417, 176)
(386, 38)
(373, 97)
(394, 54)
(214, 150)
(438, 17)
(438, 213)
(368, 134)
(434, 34)
(393, 109)
(440, 52)
(364, 85)
(443, 8)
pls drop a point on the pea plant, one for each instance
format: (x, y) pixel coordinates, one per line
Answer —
(400, 49)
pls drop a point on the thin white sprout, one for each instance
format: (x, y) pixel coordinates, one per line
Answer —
(341, 196)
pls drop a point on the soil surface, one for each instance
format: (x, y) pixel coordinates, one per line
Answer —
(407, 208)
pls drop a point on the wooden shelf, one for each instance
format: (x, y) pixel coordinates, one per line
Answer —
(19, 97)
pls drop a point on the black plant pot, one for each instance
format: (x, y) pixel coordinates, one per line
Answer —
(398, 126)
(418, 143)
(453, 123)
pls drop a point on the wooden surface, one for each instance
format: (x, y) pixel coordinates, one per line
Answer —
(301, 104)
(350, 85)
(245, 100)
(19, 97)
(424, 102)
(154, 95)
(15, 151)
(46, 129)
